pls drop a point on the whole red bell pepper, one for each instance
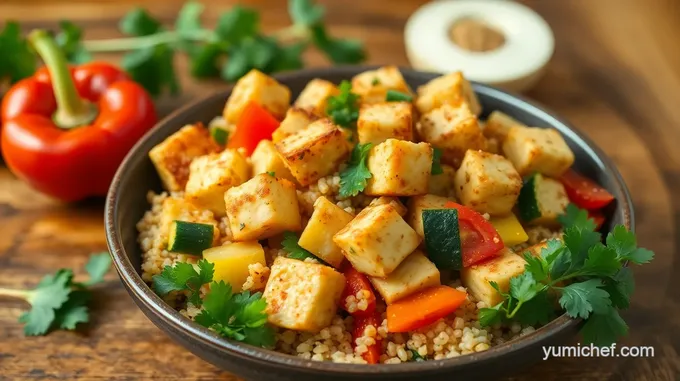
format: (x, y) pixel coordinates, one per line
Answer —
(65, 131)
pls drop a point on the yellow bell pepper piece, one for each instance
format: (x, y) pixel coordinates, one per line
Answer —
(231, 262)
(511, 231)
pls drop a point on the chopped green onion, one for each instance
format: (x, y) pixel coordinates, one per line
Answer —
(398, 96)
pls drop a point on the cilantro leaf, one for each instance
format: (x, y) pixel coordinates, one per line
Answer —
(353, 179)
(603, 329)
(601, 261)
(579, 241)
(620, 287)
(580, 299)
(138, 22)
(436, 161)
(97, 267)
(237, 24)
(574, 216)
(51, 293)
(498, 289)
(18, 61)
(69, 39)
(183, 276)
(416, 356)
(537, 267)
(524, 287)
(304, 12)
(339, 51)
(73, 311)
(295, 251)
(189, 18)
(539, 310)
(344, 107)
(490, 315)
(625, 245)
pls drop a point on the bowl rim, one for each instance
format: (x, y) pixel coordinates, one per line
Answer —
(155, 304)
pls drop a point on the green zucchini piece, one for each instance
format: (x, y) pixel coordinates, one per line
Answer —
(541, 200)
(528, 198)
(190, 237)
(442, 238)
(219, 134)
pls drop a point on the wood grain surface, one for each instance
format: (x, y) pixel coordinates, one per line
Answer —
(615, 75)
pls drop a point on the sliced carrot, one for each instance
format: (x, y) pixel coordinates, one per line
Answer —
(423, 308)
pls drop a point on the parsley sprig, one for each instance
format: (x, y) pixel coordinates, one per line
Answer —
(239, 316)
(343, 108)
(229, 50)
(353, 179)
(586, 277)
(58, 302)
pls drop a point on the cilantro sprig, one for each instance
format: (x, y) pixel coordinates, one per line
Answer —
(294, 250)
(239, 316)
(58, 302)
(343, 108)
(353, 179)
(233, 47)
(585, 276)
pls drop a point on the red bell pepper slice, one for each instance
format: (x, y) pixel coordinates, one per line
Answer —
(355, 282)
(256, 124)
(372, 356)
(66, 130)
(423, 308)
(584, 192)
(597, 217)
(478, 238)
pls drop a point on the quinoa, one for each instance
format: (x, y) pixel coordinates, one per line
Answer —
(257, 277)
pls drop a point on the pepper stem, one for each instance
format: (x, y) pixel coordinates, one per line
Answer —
(72, 110)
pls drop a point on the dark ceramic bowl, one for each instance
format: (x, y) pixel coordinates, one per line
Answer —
(126, 203)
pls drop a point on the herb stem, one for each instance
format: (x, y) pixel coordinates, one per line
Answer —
(12, 293)
(514, 310)
(131, 43)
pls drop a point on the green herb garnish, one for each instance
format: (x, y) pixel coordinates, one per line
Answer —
(417, 357)
(184, 277)
(586, 276)
(397, 96)
(295, 251)
(436, 161)
(353, 179)
(343, 108)
(375, 81)
(271, 173)
(58, 302)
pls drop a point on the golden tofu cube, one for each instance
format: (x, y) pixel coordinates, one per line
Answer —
(231, 262)
(415, 273)
(326, 220)
(315, 152)
(487, 183)
(541, 150)
(454, 130)
(377, 240)
(266, 159)
(260, 88)
(452, 89)
(372, 85)
(295, 121)
(442, 184)
(212, 175)
(385, 120)
(302, 296)
(401, 209)
(399, 168)
(498, 125)
(500, 269)
(178, 209)
(173, 156)
(262, 207)
(314, 97)
(417, 204)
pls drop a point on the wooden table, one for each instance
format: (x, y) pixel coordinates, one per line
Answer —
(615, 75)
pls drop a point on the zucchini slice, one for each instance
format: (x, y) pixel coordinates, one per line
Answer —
(219, 134)
(541, 200)
(442, 238)
(190, 237)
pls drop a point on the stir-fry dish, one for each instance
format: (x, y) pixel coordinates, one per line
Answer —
(371, 223)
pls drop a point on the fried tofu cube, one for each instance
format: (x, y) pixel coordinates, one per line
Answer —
(262, 207)
(442, 184)
(302, 296)
(295, 121)
(385, 120)
(315, 152)
(415, 273)
(399, 168)
(541, 150)
(401, 209)
(487, 183)
(179, 209)
(452, 89)
(266, 159)
(377, 240)
(260, 88)
(498, 125)
(326, 220)
(314, 97)
(500, 269)
(212, 175)
(417, 204)
(452, 129)
(173, 156)
(372, 85)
